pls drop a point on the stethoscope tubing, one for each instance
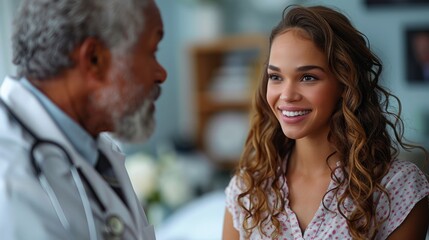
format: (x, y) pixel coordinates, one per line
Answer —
(76, 175)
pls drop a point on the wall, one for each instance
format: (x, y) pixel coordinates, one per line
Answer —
(384, 27)
(7, 9)
(175, 109)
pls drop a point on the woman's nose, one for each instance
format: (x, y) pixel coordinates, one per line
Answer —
(289, 93)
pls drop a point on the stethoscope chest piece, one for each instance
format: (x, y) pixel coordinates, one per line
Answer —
(114, 228)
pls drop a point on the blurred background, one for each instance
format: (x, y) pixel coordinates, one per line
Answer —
(213, 51)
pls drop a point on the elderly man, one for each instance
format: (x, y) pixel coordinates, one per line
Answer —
(85, 67)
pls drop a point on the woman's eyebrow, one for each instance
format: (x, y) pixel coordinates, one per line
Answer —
(300, 69)
(274, 68)
(310, 67)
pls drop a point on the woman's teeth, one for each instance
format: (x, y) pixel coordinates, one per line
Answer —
(294, 113)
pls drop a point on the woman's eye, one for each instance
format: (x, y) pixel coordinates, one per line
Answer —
(273, 77)
(307, 78)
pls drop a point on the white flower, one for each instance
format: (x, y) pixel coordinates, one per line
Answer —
(143, 172)
(162, 182)
(156, 212)
(175, 189)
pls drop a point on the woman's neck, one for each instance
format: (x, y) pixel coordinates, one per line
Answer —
(309, 157)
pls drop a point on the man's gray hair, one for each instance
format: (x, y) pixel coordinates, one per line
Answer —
(47, 31)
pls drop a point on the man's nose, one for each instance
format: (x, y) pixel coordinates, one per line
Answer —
(161, 74)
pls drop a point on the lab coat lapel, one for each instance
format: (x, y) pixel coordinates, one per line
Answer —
(117, 160)
(108, 198)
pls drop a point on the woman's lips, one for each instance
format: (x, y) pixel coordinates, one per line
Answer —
(293, 115)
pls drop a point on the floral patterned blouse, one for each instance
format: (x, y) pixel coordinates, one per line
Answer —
(405, 183)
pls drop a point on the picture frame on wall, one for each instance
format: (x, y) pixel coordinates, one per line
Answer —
(379, 3)
(417, 54)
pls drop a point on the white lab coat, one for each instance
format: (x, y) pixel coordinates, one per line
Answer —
(26, 211)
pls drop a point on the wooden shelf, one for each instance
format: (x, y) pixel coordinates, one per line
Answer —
(208, 103)
(208, 60)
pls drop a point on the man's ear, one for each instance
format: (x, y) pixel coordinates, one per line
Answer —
(93, 60)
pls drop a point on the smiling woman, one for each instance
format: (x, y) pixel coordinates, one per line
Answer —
(319, 161)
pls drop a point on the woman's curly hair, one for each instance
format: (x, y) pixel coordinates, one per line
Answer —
(365, 130)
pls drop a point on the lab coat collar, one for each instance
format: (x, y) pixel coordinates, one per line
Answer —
(28, 109)
(80, 139)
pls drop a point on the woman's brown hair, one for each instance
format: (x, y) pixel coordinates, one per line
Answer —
(365, 131)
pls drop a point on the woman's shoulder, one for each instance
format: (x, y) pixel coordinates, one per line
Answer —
(402, 163)
(232, 191)
(401, 170)
(235, 187)
(406, 185)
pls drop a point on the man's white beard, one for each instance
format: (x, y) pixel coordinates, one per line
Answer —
(129, 126)
(137, 126)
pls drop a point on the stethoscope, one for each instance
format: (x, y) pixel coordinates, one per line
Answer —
(114, 226)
